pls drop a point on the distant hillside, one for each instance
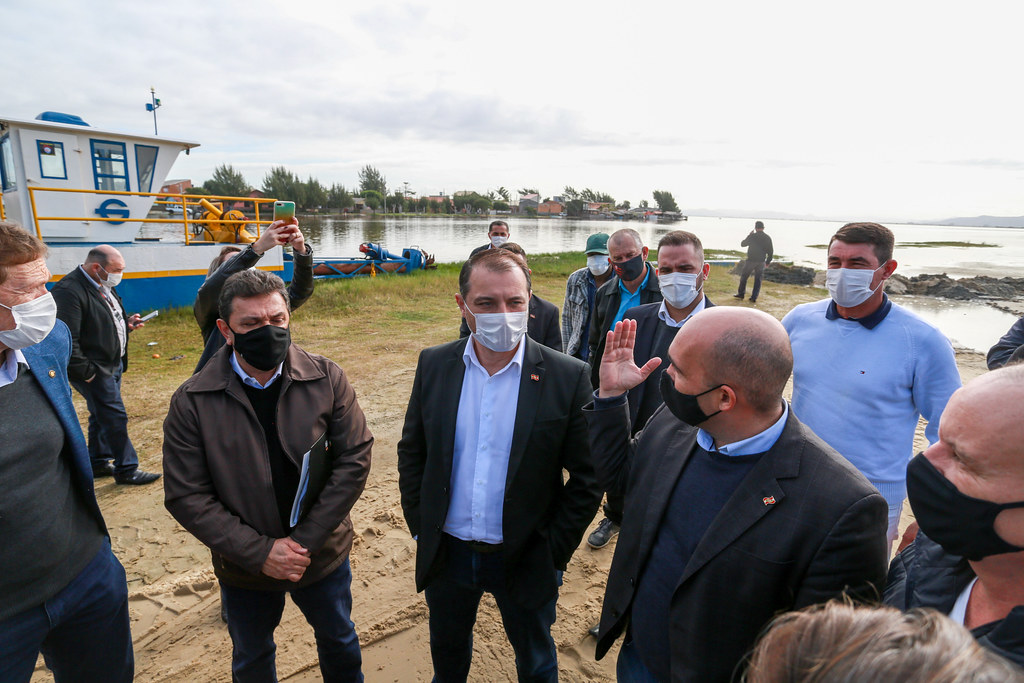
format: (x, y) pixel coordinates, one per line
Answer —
(984, 222)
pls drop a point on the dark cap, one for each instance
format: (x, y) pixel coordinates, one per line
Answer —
(597, 243)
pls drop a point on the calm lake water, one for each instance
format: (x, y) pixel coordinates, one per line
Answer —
(968, 325)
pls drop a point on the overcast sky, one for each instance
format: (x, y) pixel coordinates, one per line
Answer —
(875, 110)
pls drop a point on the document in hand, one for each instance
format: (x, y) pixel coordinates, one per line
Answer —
(315, 471)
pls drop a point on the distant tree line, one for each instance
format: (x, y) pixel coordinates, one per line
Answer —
(311, 194)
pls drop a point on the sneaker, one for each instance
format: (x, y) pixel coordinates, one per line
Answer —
(738, 296)
(603, 533)
(753, 301)
(137, 478)
(104, 470)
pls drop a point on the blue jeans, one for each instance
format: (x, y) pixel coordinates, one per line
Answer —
(628, 667)
(82, 631)
(108, 423)
(453, 598)
(327, 606)
(758, 270)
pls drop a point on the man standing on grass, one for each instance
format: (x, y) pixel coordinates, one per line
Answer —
(265, 452)
(493, 421)
(759, 255)
(580, 292)
(866, 369)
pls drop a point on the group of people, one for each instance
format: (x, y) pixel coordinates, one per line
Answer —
(731, 504)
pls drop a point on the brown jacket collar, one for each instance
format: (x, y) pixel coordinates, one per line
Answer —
(218, 374)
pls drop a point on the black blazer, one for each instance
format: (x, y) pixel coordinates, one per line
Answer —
(543, 518)
(94, 344)
(645, 398)
(802, 527)
(606, 305)
(542, 326)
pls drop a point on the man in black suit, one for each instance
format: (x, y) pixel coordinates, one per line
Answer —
(90, 306)
(497, 235)
(681, 276)
(542, 325)
(734, 509)
(493, 420)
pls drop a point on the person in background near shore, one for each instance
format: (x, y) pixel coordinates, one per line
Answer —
(580, 291)
(493, 421)
(967, 494)
(759, 255)
(266, 450)
(1009, 348)
(867, 369)
(734, 509)
(633, 284)
(234, 259)
(497, 235)
(63, 591)
(838, 641)
(88, 303)
(542, 326)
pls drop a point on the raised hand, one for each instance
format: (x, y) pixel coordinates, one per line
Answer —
(619, 373)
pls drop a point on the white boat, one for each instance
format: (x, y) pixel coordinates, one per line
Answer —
(77, 186)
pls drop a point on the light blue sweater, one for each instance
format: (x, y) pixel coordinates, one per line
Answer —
(863, 391)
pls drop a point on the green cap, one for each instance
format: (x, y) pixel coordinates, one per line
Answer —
(597, 243)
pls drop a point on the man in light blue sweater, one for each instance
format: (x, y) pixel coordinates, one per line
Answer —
(866, 369)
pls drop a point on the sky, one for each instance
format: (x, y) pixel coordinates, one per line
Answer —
(894, 110)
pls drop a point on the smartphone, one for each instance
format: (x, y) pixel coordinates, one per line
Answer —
(149, 316)
(284, 211)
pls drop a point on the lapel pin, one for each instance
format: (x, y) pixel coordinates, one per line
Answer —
(768, 500)
(52, 373)
(535, 378)
(533, 316)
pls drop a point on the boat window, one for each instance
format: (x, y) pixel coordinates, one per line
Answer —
(51, 159)
(109, 165)
(145, 162)
(8, 179)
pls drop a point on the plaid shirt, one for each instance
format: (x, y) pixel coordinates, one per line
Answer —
(576, 312)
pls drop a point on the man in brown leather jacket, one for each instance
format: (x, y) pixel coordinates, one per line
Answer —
(266, 450)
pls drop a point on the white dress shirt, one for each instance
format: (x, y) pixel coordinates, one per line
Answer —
(670, 321)
(483, 439)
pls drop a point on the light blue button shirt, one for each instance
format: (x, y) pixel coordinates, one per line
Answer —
(759, 443)
(670, 321)
(483, 438)
(9, 370)
(249, 379)
(627, 299)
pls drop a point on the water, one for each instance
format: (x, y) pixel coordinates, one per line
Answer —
(968, 325)
(451, 239)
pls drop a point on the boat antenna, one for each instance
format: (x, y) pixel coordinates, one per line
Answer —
(153, 106)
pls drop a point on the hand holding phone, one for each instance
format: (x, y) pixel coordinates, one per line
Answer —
(149, 316)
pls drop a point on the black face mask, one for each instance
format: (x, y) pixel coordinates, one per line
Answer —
(265, 347)
(631, 269)
(684, 406)
(962, 525)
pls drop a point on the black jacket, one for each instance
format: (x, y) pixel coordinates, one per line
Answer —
(542, 326)
(606, 305)
(543, 518)
(925, 575)
(207, 305)
(1000, 354)
(802, 527)
(759, 247)
(95, 347)
(645, 398)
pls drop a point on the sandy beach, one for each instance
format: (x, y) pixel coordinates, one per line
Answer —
(174, 600)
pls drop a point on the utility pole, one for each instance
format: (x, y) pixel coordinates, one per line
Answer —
(153, 106)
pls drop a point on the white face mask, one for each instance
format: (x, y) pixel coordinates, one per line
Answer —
(679, 289)
(498, 240)
(850, 287)
(112, 279)
(500, 332)
(33, 320)
(598, 264)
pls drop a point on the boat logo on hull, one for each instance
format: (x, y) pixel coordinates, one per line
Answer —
(113, 208)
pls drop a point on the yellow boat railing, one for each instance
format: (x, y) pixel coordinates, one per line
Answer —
(187, 202)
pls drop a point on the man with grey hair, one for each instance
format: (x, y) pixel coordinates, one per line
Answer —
(266, 450)
(63, 591)
(88, 303)
(734, 509)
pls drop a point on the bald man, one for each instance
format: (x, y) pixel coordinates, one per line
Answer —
(734, 510)
(967, 493)
(90, 306)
